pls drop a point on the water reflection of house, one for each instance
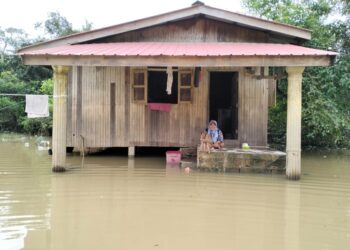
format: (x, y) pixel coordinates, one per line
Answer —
(220, 62)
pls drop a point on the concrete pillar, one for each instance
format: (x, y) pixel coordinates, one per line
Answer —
(293, 167)
(292, 216)
(59, 124)
(131, 151)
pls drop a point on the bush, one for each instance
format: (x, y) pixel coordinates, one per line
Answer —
(12, 115)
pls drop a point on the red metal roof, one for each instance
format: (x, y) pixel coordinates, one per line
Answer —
(180, 49)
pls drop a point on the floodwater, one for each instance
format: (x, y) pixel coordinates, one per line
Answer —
(113, 202)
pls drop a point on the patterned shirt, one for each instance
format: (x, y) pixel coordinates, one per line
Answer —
(216, 135)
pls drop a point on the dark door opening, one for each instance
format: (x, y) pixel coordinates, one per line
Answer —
(223, 102)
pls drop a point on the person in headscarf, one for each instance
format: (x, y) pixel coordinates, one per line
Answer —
(215, 135)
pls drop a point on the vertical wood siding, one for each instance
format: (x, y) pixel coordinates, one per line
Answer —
(253, 117)
(198, 29)
(101, 110)
(179, 127)
(89, 111)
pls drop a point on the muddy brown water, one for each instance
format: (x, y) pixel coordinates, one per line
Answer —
(112, 202)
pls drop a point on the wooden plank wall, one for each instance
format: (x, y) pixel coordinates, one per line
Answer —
(101, 110)
(180, 127)
(253, 110)
(90, 107)
(199, 29)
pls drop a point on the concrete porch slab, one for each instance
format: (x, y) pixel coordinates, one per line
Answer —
(256, 160)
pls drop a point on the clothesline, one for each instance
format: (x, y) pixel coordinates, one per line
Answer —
(17, 94)
(36, 105)
(54, 96)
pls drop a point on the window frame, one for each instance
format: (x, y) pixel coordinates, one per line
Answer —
(180, 86)
(145, 85)
(136, 86)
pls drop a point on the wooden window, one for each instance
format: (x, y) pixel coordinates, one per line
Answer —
(139, 85)
(185, 86)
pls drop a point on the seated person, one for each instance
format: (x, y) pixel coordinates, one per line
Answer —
(212, 137)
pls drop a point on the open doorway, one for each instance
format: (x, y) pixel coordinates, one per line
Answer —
(223, 102)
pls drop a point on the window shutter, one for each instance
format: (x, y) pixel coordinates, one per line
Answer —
(139, 85)
(185, 86)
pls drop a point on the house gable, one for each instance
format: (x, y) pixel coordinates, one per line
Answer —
(198, 29)
(182, 14)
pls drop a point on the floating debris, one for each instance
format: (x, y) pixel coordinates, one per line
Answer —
(43, 145)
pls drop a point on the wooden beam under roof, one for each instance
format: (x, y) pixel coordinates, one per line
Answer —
(188, 61)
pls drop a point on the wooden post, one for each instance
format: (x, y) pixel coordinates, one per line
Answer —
(59, 125)
(295, 77)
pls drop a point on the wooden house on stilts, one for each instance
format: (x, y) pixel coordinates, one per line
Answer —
(110, 83)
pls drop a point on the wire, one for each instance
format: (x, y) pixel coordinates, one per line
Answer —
(19, 94)
(12, 95)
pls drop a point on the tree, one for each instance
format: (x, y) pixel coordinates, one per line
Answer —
(326, 91)
(16, 78)
(10, 40)
(57, 26)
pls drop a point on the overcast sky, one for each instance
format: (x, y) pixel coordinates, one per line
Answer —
(25, 13)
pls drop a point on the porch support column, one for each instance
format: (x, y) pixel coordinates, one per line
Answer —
(59, 125)
(294, 122)
(131, 151)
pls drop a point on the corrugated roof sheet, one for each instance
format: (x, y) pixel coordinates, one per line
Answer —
(180, 49)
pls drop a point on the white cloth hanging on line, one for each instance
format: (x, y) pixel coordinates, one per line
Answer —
(37, 106)
(169, 83)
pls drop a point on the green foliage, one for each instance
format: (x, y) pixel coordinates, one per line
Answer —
(23, 72)
(10, 40)
(87, 26)
(9, 83)
(41, 126)
(16, 78)
(57, 26)
(10, 111)
(12, 115)
(47, 87)
(325, 121)
(325, 91)
(278, 117)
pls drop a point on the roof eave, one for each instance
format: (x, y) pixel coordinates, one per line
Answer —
(260, 23)
(211, 12)
(185, 61)
(114, 29)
